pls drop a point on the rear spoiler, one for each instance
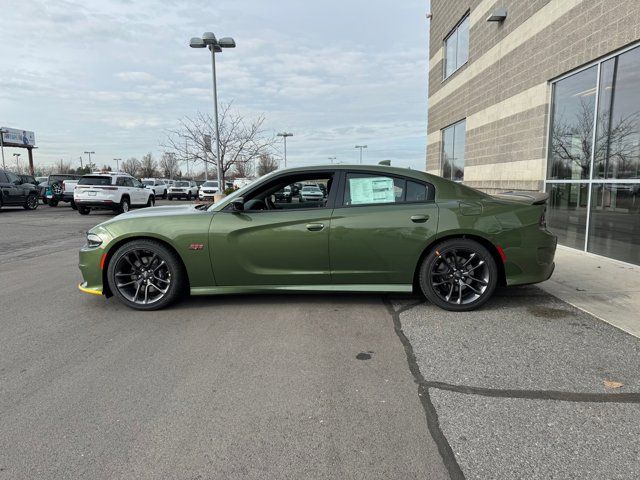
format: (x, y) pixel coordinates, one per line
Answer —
(530, 198)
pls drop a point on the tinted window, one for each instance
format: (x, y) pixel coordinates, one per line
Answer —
(94, 181)
(127, 182)
(3, 178)
(417, 192)
(372, 189)
(11, 177)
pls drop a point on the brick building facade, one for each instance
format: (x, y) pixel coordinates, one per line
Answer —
(494, 87)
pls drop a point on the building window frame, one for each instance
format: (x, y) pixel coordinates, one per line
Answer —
(591, 180)
(452, 127)
(454, 31)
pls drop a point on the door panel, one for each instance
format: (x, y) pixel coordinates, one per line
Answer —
(271, 248)
(380, 243)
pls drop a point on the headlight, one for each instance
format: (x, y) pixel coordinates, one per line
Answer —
(93, 240)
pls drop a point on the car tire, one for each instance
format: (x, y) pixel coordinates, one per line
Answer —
(44, 200)
(124, 206)
(152, 201)
(164, 195)
(73, 205)
(53, 202)
(458, 275)
(31, 203)
(189, 196)
(84, 210)
(170, 198)
(131, 257)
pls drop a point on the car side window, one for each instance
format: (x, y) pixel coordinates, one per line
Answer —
(128, 182)
(417, 192)
(293, 192)
(3, 178)
(11, 177)
(120, 182)
(372, 189)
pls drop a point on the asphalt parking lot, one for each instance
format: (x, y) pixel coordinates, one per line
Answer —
(299, 386)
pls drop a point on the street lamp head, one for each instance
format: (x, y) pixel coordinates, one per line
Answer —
(209, 38)
(216, 48)
(227, 42)
(285, 134)
(196, 42)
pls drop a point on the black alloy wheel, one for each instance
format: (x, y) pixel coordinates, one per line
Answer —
(84, 210)
(458, 275)
(31, 203)
(145, 275)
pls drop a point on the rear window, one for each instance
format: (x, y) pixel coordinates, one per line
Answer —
(60, 178)
(95, 181)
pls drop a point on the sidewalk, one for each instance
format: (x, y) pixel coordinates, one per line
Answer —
(605, 288)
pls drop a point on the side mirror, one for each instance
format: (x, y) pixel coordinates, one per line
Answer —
(238, 204)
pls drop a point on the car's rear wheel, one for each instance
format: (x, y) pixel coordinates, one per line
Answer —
(458, 275)
(32, 202)
(53, 202)
(124, 205)
(146, 275)
(84, 210)
(73, 205)
(151, 202)
(164, 195)
(189, 196)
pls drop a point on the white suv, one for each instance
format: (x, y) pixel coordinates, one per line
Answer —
(114, 191)
(208, 189)
(157, 186)
(183, 188)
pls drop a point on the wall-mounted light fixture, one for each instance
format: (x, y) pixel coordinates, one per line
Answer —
(498, 15)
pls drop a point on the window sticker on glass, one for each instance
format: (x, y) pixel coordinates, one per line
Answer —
(371, 190)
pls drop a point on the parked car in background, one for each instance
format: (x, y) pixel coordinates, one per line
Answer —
(113, 191)
(15, 192)
(311, 193)
(381, 229)
(183, 189)
(284, 195)
(157, 186)
(39, 180)
(59, 188)
(208, 190)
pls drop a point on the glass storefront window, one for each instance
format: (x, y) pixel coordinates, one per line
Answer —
(567, 212)
(574, 103)
(614, 226)
(617, 153)
(609, 169)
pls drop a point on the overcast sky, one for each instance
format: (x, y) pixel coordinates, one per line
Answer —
(113, 75)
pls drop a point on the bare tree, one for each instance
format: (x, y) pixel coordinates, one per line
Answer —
(148, 166)
(241, 140)
(169, 164)
(63, 167)
(131, 166)
(266, 164)
(243, 169)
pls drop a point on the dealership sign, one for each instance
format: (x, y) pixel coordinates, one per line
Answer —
(15, 136)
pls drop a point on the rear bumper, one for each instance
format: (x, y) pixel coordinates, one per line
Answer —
(96, 203)
(533, 260)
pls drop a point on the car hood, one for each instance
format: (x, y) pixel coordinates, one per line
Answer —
(155, 212)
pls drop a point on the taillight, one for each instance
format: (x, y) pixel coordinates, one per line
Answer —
(542, 223)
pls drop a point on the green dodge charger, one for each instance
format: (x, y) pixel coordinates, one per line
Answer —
(371, 229)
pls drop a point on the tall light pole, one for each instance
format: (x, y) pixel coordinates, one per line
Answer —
(17, 155)
(118, 160)
(2, 132)
(215, 46)
(284, 136)
(89, 164)
(361, 147)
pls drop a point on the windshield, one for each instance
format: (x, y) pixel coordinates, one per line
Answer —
(241, 191)
(148, 182)
(95, 181)
(181, 184)
(210, 184)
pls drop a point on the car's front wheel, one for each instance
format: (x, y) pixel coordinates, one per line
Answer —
(146, 275)
(458, 275)
(84, 210)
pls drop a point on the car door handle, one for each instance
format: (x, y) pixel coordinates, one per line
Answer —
(315, 227)
(419, 218)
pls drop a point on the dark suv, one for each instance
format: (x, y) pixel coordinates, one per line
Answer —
(14, 192)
